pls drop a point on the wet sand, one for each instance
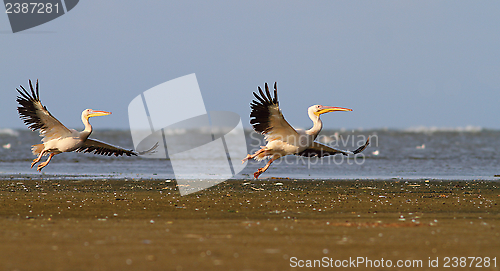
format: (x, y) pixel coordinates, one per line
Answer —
(54, 224)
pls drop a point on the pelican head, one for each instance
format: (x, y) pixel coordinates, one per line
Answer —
(320, 109)
(88, 113)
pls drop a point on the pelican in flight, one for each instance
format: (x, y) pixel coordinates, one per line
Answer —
(282, 139)
(56, 137)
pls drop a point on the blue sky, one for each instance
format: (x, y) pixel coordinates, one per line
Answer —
(397, 64)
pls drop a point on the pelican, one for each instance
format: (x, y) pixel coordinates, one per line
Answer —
(282, 139)
(56, 137)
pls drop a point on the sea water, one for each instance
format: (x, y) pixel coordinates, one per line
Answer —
(420, 153)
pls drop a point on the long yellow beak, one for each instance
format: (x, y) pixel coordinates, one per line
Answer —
(327, 109)
(97, 113)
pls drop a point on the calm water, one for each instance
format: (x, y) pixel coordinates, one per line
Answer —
(461, 154)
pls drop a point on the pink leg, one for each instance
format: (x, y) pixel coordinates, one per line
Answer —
(42, 165)
(253, 155)
(261, 170)
(37, 159)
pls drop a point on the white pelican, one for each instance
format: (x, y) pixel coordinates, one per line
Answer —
(282, 139)
(56, 137)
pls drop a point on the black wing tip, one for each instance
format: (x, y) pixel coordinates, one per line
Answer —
(320, 153)
(363, 147)
(275, 92)
(106, 152)
(151, 150)
(259, 116)
(265, 97)
(26, 95)
(27, 108)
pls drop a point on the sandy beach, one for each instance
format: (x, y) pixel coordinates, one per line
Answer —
(270, 224)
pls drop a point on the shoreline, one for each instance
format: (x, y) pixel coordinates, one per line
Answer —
(246, 177)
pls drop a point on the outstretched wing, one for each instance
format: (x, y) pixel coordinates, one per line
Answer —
(266, 116)
(37, 117)
(321, 150)
(99, 147)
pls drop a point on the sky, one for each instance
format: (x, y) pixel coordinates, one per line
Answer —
(397, 64)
